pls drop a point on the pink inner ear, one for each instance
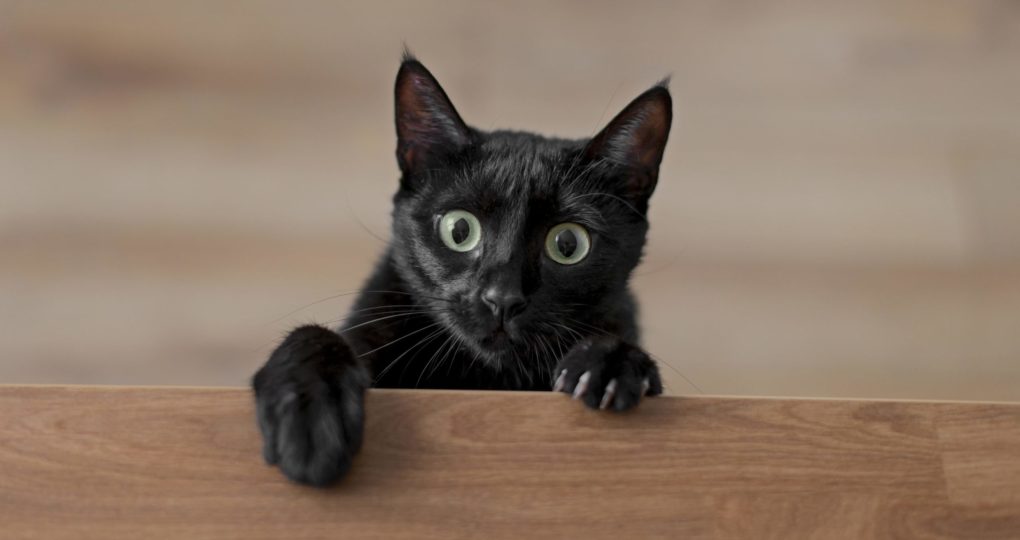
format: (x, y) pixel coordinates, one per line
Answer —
(412, 108)
(407, 154)
(427, 123)
(639, 132)
(637, 135)
(649, 138)
(635, 140)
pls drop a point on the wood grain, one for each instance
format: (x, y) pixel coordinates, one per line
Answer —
(109, 462)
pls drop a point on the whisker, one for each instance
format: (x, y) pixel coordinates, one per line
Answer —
(352, 212)
(351, 317)
(678, 372)
(401, 338)
(357, 316)
(450, 353)
(411, 360)
(359, 291)
(348, 329)
(550, 362)
(431, 358)
(474, 358)
(423, 341)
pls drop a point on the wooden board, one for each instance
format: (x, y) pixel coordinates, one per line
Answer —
(109, 462)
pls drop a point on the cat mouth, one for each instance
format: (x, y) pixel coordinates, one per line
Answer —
(492, 339)
(497, 340)
(497, 343)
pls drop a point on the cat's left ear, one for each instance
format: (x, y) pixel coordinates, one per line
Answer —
(428, 127)
(634, 141)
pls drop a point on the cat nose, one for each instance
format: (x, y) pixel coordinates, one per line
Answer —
(504, 303)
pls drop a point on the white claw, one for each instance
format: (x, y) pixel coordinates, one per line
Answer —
(582, 385)
(645, 385)
(561, 381)
(607, 397)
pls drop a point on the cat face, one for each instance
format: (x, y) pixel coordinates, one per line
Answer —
(509, 237)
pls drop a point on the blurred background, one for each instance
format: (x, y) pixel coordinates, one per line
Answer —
(838, 212)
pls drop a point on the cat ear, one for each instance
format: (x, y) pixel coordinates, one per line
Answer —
(428, 127)
(634, 141)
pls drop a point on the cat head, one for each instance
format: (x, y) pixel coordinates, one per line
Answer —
(510, 236)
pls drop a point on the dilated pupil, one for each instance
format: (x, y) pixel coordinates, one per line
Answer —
(566, 242)
(461, 230)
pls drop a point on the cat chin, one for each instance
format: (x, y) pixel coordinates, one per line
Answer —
(494, 354)
(490, 353)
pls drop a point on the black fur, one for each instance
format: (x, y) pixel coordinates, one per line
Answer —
(503, 315)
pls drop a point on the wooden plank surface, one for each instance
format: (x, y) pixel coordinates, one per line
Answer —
(124, 462)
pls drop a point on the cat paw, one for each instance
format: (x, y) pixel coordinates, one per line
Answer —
(607, 373)
(309, 401)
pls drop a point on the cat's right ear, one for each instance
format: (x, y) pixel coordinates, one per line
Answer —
(429, 130)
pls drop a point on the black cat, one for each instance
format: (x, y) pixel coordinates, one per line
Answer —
(507, 269)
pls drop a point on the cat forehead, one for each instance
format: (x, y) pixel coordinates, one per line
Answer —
(524, 140)
(513, 157)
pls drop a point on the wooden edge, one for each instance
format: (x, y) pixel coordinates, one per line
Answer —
(462, 391)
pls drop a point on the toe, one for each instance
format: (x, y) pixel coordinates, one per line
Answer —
(582, 385)
(609, 394)
(561, 382)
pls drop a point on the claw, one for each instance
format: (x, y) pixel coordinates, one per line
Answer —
(582, 385)
(607, 397)
(645, 385)
(561, 381)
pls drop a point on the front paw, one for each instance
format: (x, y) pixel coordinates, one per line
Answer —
(309, 399)
(607, 373)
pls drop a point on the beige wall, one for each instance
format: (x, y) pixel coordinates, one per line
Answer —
(839, 213)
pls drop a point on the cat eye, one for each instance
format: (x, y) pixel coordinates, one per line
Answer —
(567, 243)
(460, 230)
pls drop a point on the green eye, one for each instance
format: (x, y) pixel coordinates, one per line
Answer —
(460, 230)
(567, 243)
